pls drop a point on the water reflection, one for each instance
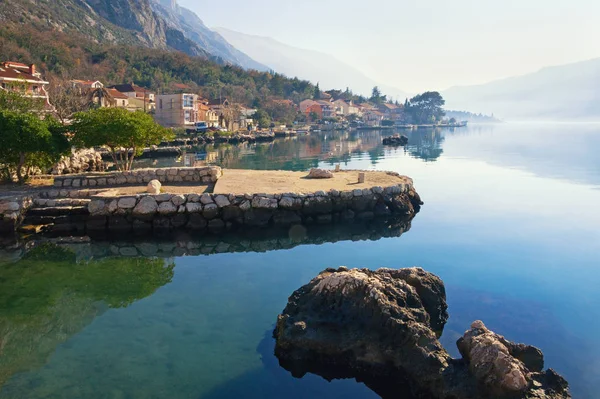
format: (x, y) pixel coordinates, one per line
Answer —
(47, 297)
(183, 243)
(305, 152)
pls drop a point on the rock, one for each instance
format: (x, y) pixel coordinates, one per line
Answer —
(361, 319)
(319, 174)
(193, 207)
(167, 208)
(222, 201)
(147, 207)
(206, 199)
(154, 187)
(395, 140)
(210, 211)
(178, 200)
(97, 207)
(495, 362)
(382, 327)
(127, 203)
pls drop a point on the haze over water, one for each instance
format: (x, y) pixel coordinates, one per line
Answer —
(510, 223)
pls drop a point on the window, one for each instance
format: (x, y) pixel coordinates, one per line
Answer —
(160, 103)
(187, 116)
(171, 103)
(188, 101)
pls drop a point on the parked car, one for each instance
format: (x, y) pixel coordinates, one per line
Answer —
(201, 127)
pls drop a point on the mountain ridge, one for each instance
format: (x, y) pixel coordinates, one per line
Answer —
(312, 65)
(557, 92)
(125, 22)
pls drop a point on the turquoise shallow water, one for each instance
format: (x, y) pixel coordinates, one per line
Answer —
(511, 223)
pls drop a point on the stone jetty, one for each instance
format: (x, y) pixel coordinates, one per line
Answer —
(95, 203)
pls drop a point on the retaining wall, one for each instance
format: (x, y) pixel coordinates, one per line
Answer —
(207, 175)
(12, 210)
(218, 212)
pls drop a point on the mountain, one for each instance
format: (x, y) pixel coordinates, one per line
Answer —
(565, 92)
(145, 23)
(315, 66)
(193, 28)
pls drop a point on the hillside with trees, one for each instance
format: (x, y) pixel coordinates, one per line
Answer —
(62, 56)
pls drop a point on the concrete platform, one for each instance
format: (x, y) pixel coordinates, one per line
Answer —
(240, 181)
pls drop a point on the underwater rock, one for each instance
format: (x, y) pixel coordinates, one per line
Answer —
(382, 327)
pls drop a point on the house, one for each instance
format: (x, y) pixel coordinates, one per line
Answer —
(23, 79)
(177, 110)
(345, 108)
(132, 90)
(373, 117)
(206, 114)
(85, 85)
(314, 109)
(118, 99)
(327, 108)
(304, 105)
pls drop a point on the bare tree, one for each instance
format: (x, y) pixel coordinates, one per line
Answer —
(67, 100)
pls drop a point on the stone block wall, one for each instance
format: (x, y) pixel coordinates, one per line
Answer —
(219, 212)
(12, 210)
(205, 175)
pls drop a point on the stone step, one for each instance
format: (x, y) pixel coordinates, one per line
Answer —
(45, 203)
(58, 211)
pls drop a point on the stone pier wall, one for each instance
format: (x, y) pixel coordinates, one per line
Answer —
(218, 212)
(12, 210)
(206, 175)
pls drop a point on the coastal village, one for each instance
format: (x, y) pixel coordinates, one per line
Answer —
(182, 108)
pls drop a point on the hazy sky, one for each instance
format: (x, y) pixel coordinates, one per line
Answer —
(423, 44)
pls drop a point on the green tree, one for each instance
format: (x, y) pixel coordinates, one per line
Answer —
(376, 96)
(14, 101)
(317, 94)
(426, 108)
(28, 142)
(262, 119)
(125, 133)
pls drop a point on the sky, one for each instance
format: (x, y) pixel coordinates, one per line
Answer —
(425, 44)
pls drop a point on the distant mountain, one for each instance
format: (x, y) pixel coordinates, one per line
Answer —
(128, 22)
(193, 28)
(566, 92)
(325, 69)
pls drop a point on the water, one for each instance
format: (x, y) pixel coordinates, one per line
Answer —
(511, 223)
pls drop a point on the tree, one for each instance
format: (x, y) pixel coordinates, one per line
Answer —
(125, 133)
(15, 101)
(387, 122)
(28, 142)
(67, 100)
(317, 95)
(262, 119)
(426, 108)
(313, 116)
(376, 96)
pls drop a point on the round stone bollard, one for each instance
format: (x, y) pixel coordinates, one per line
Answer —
(154, 187)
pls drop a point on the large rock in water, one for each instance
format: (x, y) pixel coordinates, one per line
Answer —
(382, 327)
(372, 321)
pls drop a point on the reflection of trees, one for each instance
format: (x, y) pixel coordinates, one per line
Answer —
(47, 297)
(425, 144)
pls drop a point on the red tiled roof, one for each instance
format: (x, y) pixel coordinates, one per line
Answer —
(130, 88)
(117, 94)
(9, 71)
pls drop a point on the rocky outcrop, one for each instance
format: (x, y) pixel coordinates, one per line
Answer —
(82, 161)
(382, 327)
(395, 140)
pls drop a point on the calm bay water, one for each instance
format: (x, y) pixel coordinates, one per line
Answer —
(511, 223)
